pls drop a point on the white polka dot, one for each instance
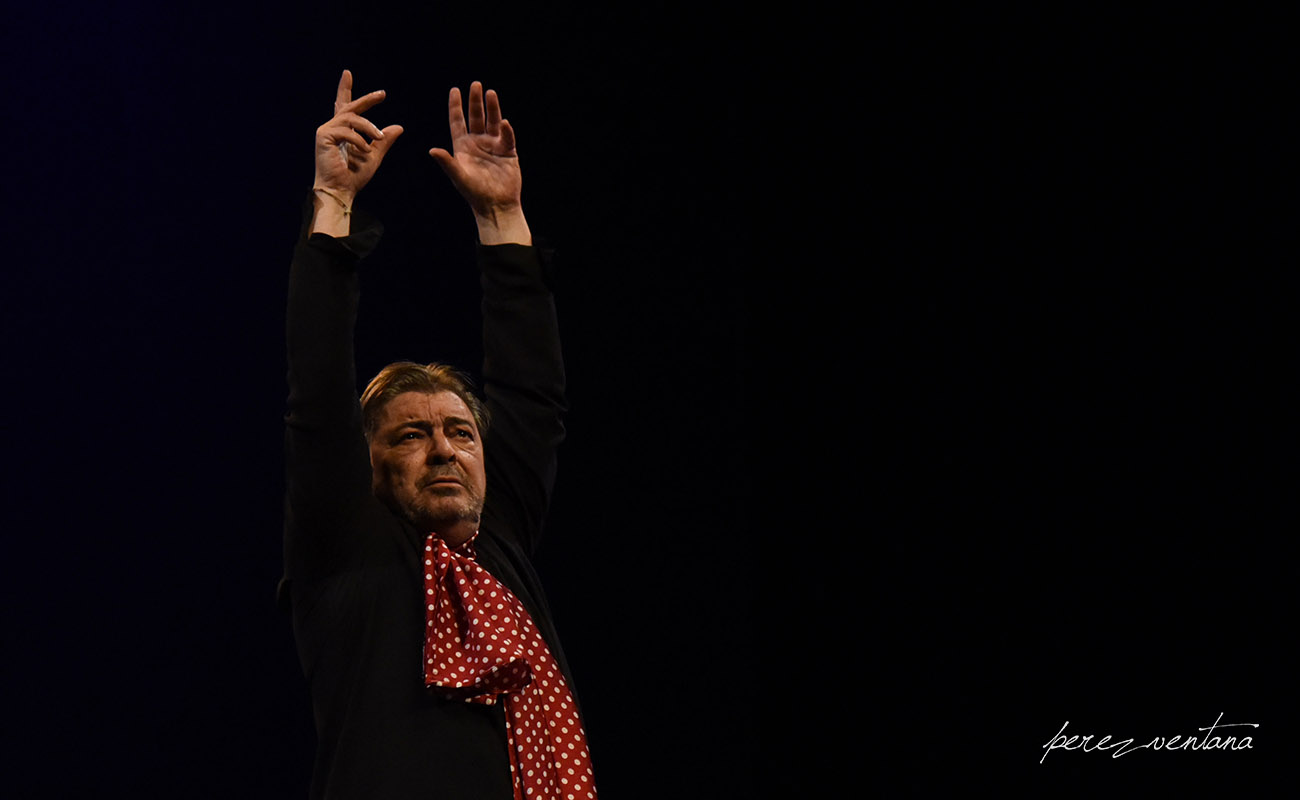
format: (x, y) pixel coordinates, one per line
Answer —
(527, 689)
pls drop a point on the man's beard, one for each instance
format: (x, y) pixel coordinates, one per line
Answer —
(430, 513)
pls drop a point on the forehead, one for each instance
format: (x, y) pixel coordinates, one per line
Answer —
(423, 406)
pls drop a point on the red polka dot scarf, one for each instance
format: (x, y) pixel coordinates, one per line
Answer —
(481, 643)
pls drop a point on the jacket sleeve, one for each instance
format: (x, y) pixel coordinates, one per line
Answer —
(523, 380)
(326, 457)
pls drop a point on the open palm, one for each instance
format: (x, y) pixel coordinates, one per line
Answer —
(483, 165)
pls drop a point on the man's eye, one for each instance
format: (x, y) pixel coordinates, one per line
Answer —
(411, 435)
(465, 434)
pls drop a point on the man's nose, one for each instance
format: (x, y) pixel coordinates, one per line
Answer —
(440, 449)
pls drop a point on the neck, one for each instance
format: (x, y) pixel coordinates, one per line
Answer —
(457, 533)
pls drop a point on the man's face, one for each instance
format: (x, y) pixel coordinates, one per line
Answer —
(427, 463)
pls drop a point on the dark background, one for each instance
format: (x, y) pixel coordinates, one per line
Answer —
(925, 383)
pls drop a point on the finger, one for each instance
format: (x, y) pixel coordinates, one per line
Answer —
(336, 134)
(493, 104)
(455, 116)
(443, 158)
(343, 95)
(507, 139)
(358, 123)
(476, 122)
(363, 103)
(389, 138)
(448, 163)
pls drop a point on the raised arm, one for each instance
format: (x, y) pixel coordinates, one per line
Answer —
(523, 371)
(327, 462)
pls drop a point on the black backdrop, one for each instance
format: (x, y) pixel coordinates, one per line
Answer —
(924, 383)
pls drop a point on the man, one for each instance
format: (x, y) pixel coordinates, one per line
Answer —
(434, 666)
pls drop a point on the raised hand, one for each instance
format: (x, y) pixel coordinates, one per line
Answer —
(483, 164)
(345, 160)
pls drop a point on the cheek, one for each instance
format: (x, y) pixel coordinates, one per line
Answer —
(397, 472)
(409, 472)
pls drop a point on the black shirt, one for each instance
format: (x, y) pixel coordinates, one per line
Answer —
(353, 569)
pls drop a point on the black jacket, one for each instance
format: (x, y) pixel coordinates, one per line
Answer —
(353, 574)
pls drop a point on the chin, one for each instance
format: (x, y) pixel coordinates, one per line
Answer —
(441, 515)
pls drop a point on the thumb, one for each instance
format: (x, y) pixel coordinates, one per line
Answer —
(444, 159)
(448, 163)
(390, 138)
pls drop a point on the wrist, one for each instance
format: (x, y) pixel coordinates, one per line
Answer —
(502, 225)
(343, 197)
(332, 214)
